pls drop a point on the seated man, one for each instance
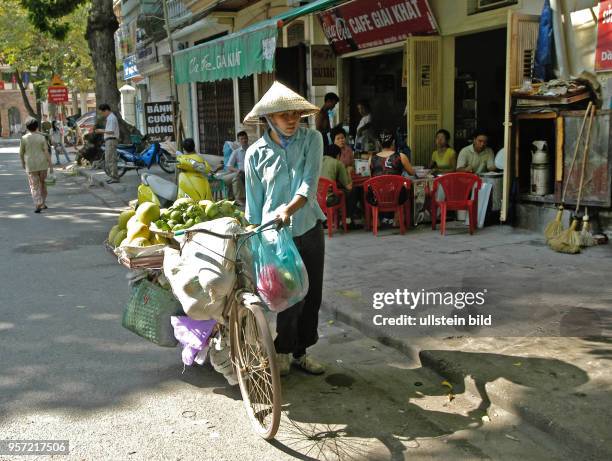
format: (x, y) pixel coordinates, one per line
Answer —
(234, 177)
(334, 170)
(477, 157)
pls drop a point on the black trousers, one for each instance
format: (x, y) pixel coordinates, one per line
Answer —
(296, 327)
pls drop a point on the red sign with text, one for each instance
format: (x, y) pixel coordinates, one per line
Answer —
(603, 52)
(365, 24)
(57, 94)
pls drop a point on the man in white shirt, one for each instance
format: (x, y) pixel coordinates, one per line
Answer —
(234, 178)
(477, 157)
(111, 139)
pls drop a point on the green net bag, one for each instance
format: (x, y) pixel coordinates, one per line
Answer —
(148, 313)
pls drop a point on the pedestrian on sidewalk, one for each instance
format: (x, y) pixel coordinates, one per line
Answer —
(57, 141)
(35, 160)
(111, 139)
(282, 175)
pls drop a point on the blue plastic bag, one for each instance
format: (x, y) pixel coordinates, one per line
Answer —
(281, 277)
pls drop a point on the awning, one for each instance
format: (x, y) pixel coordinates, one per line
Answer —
(237, 55)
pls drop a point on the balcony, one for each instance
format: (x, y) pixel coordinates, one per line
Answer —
(177, 12)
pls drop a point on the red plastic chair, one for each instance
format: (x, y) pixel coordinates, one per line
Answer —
(457, 189)
(331, 212)
(386, 190)
(407, 206)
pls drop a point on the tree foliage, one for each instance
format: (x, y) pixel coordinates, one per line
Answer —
(27, 49)
(49, 16)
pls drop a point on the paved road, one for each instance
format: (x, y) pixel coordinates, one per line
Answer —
(69, 371)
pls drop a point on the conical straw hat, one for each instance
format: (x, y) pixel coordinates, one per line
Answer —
(279, 98)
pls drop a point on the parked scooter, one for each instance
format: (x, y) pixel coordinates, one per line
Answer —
(192, 182)
(129, 159)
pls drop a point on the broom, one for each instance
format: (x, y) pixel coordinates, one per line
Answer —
(568, 241)
(586, 235)
(555, 227)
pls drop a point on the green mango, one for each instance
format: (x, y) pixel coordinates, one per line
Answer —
(212, 210)
(176, 216)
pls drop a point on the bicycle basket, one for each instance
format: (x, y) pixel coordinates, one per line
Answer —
(148, 313)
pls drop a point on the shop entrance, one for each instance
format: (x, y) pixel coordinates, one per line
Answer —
(378, 80)
(480, 63)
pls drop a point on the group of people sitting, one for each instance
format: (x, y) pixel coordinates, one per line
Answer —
(338, 162)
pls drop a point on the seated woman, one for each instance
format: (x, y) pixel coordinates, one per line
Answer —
(387, 161)
(444, 158)
(346, 153)
(193, 178)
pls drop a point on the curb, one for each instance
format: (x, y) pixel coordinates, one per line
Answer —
(581, 447)
(372, 332)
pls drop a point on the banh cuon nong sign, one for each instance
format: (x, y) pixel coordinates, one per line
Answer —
(232, 56)
(160, 120)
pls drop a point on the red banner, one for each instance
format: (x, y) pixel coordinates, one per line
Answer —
(362, 24)
(603, 52)
(57, 94)
(1, 84)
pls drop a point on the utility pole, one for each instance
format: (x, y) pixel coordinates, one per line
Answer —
(173, 88)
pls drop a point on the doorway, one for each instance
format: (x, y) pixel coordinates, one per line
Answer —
(480, 82)
(378, 80)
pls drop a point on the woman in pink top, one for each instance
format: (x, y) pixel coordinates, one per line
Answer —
(346, 153)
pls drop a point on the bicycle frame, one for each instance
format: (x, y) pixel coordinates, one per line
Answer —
(253, 357)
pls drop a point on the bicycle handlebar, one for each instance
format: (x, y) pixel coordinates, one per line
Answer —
(275, 222)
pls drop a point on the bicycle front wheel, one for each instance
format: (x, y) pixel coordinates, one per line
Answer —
(254, 359)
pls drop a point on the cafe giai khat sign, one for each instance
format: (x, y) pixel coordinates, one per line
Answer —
(366, 24)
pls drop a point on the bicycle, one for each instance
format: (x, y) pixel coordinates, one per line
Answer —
(252, 350)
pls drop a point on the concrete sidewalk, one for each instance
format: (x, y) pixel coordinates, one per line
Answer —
(127, 188)
(547, 355)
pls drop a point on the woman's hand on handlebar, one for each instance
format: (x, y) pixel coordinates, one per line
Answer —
(283, 214)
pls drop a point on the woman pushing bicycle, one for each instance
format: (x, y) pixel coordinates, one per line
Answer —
(282, 174)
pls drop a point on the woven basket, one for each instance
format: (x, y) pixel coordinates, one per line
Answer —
(148, 313)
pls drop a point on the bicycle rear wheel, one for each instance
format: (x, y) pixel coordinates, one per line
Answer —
(254, 359)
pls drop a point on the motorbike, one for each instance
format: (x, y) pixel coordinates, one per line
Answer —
(128, 158)
(192, 182)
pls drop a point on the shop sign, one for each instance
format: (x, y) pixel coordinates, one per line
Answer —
(146, 55)
(1, 84)
(160, 120)
(130, 70)
(57, 93)
(366, 24)
(323, 64)
(233, 56)
(603, 52)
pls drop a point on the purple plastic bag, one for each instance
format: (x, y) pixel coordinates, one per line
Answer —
(193, 335)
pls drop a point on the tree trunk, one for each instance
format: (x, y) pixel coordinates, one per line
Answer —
(24, 96)
(75, 101)
(101, 27)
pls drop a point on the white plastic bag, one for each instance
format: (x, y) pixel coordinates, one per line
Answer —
(202, 275)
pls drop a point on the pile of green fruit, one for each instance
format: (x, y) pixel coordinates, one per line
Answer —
(185, 213)
(132, 228)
